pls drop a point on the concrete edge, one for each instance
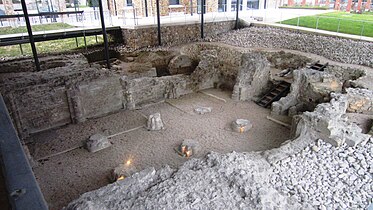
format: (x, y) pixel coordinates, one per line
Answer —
(23, 189)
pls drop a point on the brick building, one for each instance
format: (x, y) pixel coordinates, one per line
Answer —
(167, 7)
(346, 5)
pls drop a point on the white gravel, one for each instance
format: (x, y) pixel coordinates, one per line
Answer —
(319, 177)
(328, 177)
(333, 48)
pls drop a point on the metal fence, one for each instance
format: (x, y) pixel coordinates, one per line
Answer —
(333, 24)
(183, 14)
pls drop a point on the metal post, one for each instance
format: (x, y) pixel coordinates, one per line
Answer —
(298, 22)
(159, 23)
(76, 42)
(104, 34)
(202, 13)
(317, 23)
(85, 41)
(20, 47)
(96, 39)
(191, 7)
(339, 24)
(115, 8)
(31, 37)
(362, 30)
(146, 8)
(237, 8)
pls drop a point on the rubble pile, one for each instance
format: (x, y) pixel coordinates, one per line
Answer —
(328, 177)
(229, 181)
(348, 51)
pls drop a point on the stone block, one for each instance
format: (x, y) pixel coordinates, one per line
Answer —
(241, 125)
(155, 122)
(97, 142)
(100, 97)
(203, 110)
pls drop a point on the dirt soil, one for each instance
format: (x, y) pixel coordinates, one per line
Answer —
(65, 176)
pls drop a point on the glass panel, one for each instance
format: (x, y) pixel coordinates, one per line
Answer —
(252, 4)
(174, 2)
(199, 7)
(233, 6)
(222, 5)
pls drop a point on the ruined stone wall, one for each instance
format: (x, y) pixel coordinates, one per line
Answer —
(253, 77)
(172, 34)
(77, 90)
(69, 89)
(311, 87)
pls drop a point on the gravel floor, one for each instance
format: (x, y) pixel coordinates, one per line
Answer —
(64, 177)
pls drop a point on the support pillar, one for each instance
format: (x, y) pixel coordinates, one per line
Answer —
(337, 4)
(158, 23)
(368, 4)
(202, 18)
(237, 9)
(30, 35)
(359, 5)
(349, 4)
(8, 5)
(104, 33)
(244, 5)
(229, 6)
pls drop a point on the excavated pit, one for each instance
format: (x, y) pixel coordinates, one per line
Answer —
(79, 98)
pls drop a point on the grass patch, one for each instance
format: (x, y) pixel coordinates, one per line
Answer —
(357, 24)
(43, 27)
(61, 45)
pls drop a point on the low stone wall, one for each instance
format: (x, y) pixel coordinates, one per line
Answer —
(70, 89)
(172, 34)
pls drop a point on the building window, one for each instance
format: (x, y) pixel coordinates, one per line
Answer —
(129, 3)
(174, 2)
(222, 5)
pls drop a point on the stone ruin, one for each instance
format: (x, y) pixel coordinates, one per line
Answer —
(155, 122)
(97, 142)
(318, 106)
(241, 125)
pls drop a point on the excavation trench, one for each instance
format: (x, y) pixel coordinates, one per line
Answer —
(116, 102)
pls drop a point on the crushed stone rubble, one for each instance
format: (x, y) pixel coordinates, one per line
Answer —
(333, 48)
(328, 177)
(319, 177)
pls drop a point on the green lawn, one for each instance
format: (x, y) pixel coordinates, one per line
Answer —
(47, 46)
(44, 27)
(357, 24)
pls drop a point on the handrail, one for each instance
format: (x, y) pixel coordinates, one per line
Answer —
(41, 14)
(22, 187)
